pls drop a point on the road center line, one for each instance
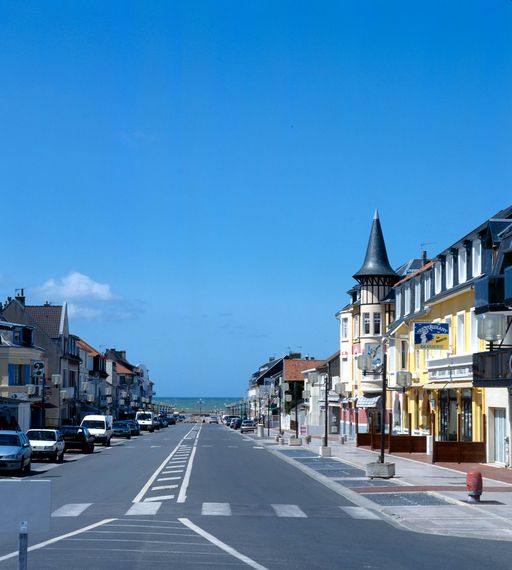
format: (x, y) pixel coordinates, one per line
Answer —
(182, 496)
(151, 480)
(222, 545)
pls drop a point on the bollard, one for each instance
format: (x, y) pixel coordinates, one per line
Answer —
(22, 552)
(474, 485)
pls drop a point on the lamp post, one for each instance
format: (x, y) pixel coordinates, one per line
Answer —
(370, 365)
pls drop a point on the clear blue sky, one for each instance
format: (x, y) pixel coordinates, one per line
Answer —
(198, 179)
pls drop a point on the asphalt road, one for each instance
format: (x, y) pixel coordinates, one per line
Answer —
(204, 496)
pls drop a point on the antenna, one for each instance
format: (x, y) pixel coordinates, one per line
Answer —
(423, 244)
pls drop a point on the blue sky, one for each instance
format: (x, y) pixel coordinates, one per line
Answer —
(198, 179)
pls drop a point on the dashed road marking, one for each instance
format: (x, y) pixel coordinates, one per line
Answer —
(289, 511)
(216, 509)
(71, 510)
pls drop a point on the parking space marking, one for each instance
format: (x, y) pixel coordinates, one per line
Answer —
(71, 510)
(292, 511)
(143, 509)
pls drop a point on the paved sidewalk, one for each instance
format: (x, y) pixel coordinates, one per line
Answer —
(421, 497)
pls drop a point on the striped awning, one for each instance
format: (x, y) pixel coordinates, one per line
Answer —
(367, 402)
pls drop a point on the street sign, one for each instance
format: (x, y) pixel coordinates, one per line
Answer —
(38, 368)
(432, 336)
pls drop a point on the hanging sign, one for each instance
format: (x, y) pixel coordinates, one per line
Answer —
(431, 336)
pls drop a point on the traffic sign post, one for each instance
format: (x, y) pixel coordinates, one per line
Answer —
(38, 373)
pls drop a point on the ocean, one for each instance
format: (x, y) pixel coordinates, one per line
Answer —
(189, 405)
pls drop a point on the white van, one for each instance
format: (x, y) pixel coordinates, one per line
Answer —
(100, 427)
(146, 420)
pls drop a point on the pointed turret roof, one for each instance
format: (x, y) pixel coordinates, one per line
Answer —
(376, 262)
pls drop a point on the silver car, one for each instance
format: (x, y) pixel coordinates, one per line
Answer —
(15, 451)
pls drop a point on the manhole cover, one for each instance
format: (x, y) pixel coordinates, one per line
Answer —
(405, 499)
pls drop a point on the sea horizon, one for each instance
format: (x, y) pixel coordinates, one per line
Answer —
(202, 404)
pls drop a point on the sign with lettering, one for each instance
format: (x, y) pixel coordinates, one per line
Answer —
(431, 336)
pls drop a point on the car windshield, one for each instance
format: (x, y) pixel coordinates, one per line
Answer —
(143, 416)
(120, 424)
(9, 439)
(41, 435)
(94, 424)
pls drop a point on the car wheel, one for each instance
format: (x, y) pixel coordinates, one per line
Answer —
(61, 457)
(55, 457)
(19, 471)
(129, 436)
(28, 467)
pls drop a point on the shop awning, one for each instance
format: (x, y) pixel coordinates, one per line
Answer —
(367, 402)
(446, 385)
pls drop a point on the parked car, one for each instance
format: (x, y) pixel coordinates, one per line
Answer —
(213, 420)
(236, 423)
(247, 425)
(134, 426)
(100, 426)
(172, 420)
(77, 437)
(146, 420)
(15, 451)
(164, 422)
(229, 419)
(121, 429)
(46, 444)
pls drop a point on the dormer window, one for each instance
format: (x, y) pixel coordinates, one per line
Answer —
(449, 271)
(427, 285)
(476, 256)
(463, 259)
(398, 304)
(407, 300)
(417, 295)
(438, 277)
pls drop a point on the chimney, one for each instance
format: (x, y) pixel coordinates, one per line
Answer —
(20, 296)
(424, 257)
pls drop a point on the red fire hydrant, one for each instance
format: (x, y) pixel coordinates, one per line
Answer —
(474, 485)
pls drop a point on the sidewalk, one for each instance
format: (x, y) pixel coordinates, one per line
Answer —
(422, 497)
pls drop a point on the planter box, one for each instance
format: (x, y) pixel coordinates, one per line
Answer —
(380, 470)
(295, 441)
(325, 451)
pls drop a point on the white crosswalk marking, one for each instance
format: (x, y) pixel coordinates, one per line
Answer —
(160, 487)
(289, 511)
(360, 513)
(144, 509)
(168, 478)
(159, 498)
(168, 471)
(216, 509)
(71, 510)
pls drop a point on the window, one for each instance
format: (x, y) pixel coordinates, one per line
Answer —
(427, 286)
(463, 254)
(417, 295)
(476, 250)
(366, 323)
(356, 326)
(407, 300)
(475, 341)
(460, 333)
(344, 327)
(449, 271)
(19, 374)
(448, 321)
(376, 323)
(398, 304)
(404, 350)
(438, 275)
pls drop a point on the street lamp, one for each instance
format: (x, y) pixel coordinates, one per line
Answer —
(492, 327)
(368, 365)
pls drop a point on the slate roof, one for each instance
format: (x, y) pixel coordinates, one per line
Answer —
(46, 317)
(376, 262)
